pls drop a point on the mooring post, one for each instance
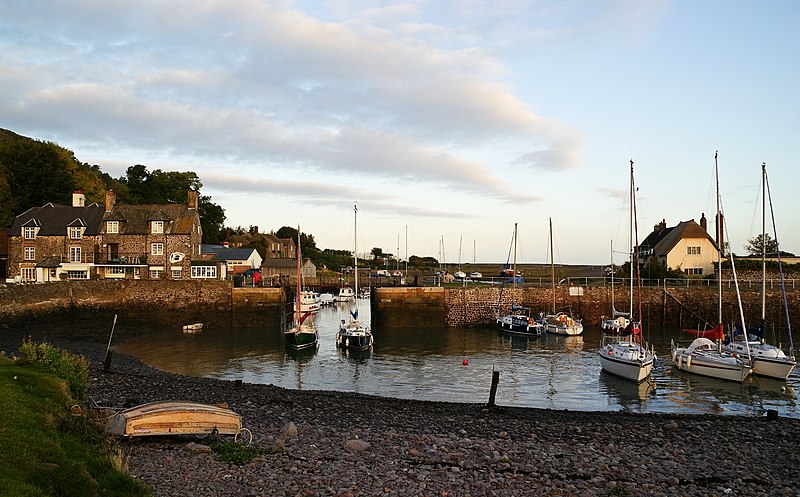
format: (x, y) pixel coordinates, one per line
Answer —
(109, 352)
(493, 390)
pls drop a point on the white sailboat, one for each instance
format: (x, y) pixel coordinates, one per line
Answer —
(619, 320)
(352, 333)
(703, 356)
(627, 356)
(519, 320)
(560, 323)
(768, 360)
(302, 332)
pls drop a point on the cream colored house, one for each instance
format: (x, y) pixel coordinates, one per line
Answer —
(686, 247)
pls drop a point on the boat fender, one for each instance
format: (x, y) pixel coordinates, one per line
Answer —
(347, 342)
(680, 361)
(689, 361)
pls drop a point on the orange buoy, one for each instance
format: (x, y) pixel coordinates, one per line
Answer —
(466, 362)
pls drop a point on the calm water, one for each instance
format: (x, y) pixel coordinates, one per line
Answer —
(548, 372)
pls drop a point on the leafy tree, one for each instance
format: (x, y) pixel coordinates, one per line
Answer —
(37, 173)
(212, 219)
(376, 252)
(755, 244)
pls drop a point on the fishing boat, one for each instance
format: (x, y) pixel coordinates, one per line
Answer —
(626, 355)
(558, 322)
(346, 294)
(175, 418)
(704, 356)
(352, 333)
(301, 332)
(309, 301)
(768, 360)
(326, 299)
(519, 320)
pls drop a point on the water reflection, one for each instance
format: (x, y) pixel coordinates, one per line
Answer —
(552, 371)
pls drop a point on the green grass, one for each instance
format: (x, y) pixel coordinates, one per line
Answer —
(44, 449)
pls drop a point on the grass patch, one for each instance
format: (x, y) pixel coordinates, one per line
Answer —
(44, 449)
(235, 453)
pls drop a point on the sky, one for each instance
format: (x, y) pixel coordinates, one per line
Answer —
(445, 122)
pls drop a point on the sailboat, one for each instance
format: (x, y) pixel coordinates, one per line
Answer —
(619, 320)
(302, 332)
(768, 360)
(353, 334)
(560, 323)
(627, 356)
(519, 320)
(703, 356)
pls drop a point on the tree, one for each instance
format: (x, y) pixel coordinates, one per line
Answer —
(376, 252)
(755, 244)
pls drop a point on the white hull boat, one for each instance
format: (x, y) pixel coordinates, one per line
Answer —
(704, 358)
(768, 360)
(562, 324)
(628, 360)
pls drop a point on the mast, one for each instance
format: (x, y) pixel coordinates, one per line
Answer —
(763, 247)
(552, 266)
(514, 281)
(297, 311)
(631, 260)
(613, 308)
(355, 249)
(719, 244)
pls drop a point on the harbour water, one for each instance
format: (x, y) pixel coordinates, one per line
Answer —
(456, 365)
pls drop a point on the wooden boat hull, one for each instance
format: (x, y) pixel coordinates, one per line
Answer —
(175, 418)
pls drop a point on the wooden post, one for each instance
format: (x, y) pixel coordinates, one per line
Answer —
(107, 361)
(493, 390)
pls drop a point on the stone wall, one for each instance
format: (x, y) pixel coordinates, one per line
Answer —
(407, 307)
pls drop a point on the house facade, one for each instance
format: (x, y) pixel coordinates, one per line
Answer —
(686, 247)
(110, 241)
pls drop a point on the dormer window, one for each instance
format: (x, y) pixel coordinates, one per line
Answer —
(75, 233)
(112, 226)
(29, 232)
(157, 227)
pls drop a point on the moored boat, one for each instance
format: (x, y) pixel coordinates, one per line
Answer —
(301, 332)
(352, 333)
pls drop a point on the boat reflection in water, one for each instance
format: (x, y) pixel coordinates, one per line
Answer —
(456, 364)
(629, 395)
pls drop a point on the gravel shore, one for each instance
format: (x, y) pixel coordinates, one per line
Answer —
(342, 444)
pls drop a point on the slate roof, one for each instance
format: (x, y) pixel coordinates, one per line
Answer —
(54, 219)
(232, 254)
(135, 219)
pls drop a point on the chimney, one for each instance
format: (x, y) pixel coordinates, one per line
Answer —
(703, 223)
(253, 230)
(191, 201)
(111, 199)
(78, 199)
(660, 226)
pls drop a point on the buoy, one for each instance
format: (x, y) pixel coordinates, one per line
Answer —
(466, 362)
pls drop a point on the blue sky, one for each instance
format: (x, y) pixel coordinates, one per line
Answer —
(444, 120)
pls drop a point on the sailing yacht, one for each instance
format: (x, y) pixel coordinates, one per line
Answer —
(352, 333)
(519, 320)
(560, 323)
(767, 359)
(703, 356)
(301, 332)
(627, 356)
(619, 320)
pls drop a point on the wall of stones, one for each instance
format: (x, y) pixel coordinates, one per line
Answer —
(407, 307)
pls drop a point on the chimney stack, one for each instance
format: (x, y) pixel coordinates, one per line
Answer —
(660, 226)
(78, 199)
(191, 201)
(111, 199)
(703, 222)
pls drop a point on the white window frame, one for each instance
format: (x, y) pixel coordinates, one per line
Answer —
(29, 232)
(29, 253)
(115, 272)
(156, 248)
(75, 255)
(177, 274)
(112, 226)
(204, 272)
(692, 250)
(28, 273)
(157, 227)
(77, 275)
(75, 233)
(155, 274)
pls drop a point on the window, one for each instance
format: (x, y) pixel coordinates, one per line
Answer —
(157, 248)
(155, 274)
(78, 275)
(692, 250)
(157, 227)
(30, 253)
(28, 274)
(693, 271)
(204, 271)
(75, 233)
(177, 274)
(29, 233)
(75, 255)
(115, 272)
(112, 226)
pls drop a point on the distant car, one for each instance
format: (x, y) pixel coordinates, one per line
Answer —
(383, 272)
(475, 275)
(397, 274)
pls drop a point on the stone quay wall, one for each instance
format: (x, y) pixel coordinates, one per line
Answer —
(168, 301)
(478, 305)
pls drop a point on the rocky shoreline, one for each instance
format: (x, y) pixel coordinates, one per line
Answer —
(342, 444)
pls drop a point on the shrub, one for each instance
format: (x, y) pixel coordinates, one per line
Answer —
(74, 369)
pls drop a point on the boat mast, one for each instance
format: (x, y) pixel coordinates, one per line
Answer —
(514, 284)
(630, 235)
(355, 249)
(552, 266)
(613, 308)
(763, 247)
(297, 310)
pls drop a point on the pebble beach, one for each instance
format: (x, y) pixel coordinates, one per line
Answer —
(318, 443)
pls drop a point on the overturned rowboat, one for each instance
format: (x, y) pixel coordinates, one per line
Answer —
(192, 328)
(176, 418)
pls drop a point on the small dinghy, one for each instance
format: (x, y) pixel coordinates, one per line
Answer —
(176, 418)
(192, 328)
